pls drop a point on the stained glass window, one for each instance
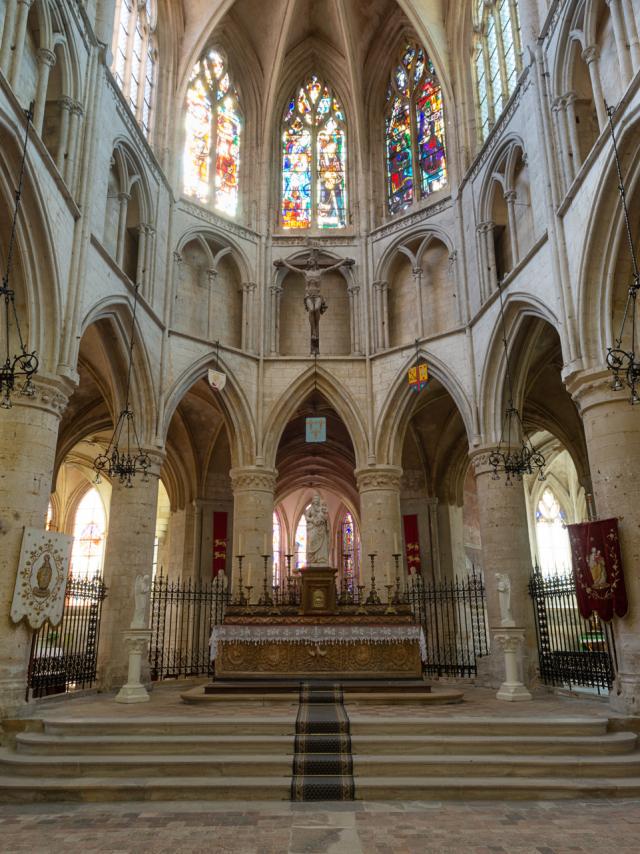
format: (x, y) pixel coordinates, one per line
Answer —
(87, 553)
(414, 130)
(350, 550)
(213, 125)
(277, 549)
(554, 551)
(497, 58)
(301, 540)
(314, 157)
(134, 57)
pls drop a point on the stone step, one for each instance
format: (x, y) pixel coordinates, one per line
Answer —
(494, 788)
(45, 744)
(268, 765)
(459, 725)
(93, 789)
(199, 696)
(185, 725)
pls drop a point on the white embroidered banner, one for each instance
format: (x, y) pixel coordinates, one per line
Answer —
(42, 577)
(314, 634)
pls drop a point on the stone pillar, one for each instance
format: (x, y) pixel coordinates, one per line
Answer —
(570, 104)
(253, 492)
(129, 552)
(143, 231)
(72, 144)
(11, 9)
(248, 293)
(381, 320)
(19, 39)
(46, 61)
(612, 433)
(558, 110)
(591, 56)
(505, 549)
(28, 437)
(510, 198)
(123, 199)
(632, 33)
(379, 488)
(417, 278)
(487, 257)
(66, 106)
(354, 318)
(274, 320)
(620, 35)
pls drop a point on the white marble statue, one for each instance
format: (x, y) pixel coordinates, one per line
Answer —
(221, 582)
(141, 597)
(317, 517)
(504, 599)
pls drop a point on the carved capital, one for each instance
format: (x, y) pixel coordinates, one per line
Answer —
(77, 109)
(485, 227)
(378, 478)
(511, 196)
(177, 258)
(253, 479)
(382, 285)
(46, 57)
(591, 54)
(249, 287)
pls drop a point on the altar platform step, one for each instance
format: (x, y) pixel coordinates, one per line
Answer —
(399, 692)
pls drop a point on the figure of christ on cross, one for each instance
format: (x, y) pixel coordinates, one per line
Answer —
(314, 303)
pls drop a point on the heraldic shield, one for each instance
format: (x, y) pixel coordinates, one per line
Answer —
(597, 569)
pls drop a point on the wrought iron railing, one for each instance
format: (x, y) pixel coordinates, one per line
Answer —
(451, 613)
(572, 650)
(64, 658)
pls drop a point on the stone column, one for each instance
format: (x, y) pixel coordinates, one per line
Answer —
(66, 106)
(510, 198)
(354, 318)
(253, 491)
(11, 9)
(570, 104)
(248, 292)
(417, 278)
(46, 61)
(620, 35)
(379, 488)
(72, 144)
(19, 39)
(147, 272)
(591, 56)
(505, 549)
(632, 33)
(143, 231)
(612, 433)
(487, 257)
(28, 437)
(105, 18)
(558, 110)
(274, 320)
(380, 320)
(129, 552)
(123, 199)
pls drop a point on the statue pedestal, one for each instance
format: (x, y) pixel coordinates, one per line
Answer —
(318, 591)
(511, 639)
(134, 691)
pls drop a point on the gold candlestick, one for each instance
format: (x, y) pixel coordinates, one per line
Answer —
(266, 599)
(373, 598)
(397, 596)
(240, 598)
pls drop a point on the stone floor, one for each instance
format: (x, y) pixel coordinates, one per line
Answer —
(569, 827)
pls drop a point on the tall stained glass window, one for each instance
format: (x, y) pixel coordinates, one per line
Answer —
(213, 125)
(554, 551)
(277, 548)
(350, 550)
(301, 540)
(87, 553)
(414, 130)
(134, 56)
(497, 58)
(314, 158)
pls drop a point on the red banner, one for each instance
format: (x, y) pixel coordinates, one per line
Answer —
(219, 543)
(412, 541)
(597, 569)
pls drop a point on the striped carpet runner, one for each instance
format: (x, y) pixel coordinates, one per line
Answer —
(322, 763)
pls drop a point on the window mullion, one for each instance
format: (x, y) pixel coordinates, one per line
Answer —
(502, 60)
(314, 168)
(213, 147)
(417, 174)
(488, 77)
(126, 82)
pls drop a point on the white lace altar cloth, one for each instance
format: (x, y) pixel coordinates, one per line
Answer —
(314, 634)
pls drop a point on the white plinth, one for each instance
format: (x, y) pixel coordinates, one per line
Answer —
(512, 689)
(134, 691)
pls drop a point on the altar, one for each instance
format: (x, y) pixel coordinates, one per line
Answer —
(335, 647)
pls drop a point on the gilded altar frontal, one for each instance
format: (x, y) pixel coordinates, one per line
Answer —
(319, 425)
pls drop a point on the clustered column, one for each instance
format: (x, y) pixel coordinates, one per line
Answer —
(612, 432)
(253, 494)
(504, 533)
(28, 437)
(381, 303)
(129, 553)
(488, 270)
(379, 488)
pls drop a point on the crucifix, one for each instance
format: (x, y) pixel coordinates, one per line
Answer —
(315, 304)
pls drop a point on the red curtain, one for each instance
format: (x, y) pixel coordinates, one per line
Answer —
(219, 543)
(597, 569)
(412, 541)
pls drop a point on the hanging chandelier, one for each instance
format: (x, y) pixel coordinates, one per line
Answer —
(515, 454)
(625, 364)
(17, 370)
(124, 458)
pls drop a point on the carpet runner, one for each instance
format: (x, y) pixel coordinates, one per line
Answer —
(322, 763)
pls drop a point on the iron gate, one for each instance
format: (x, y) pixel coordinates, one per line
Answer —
(571, 650)
(64, 658)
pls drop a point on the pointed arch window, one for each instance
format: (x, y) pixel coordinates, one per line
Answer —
(301, 540)
(314, 159)
(89, 528)
(350, 552)
(135, 57)
(554, 551)
(497, 58)
(277, 549)
(414, 130)
(213, 129)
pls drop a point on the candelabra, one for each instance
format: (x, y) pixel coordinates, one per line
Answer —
(266, 599)
(373, 598)
(397, 596)
(240, 599)
(289, 599)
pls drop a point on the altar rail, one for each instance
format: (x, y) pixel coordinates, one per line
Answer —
(64, 658)
(571, 650)
(451, 613)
